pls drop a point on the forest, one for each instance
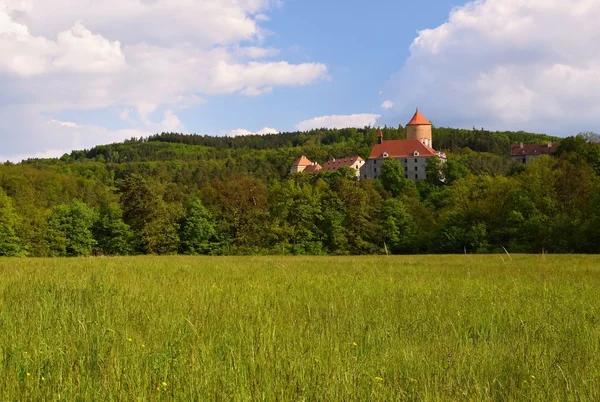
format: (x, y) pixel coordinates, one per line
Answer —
(192, 194)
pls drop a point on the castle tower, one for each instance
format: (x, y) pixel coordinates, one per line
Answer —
(419, 128)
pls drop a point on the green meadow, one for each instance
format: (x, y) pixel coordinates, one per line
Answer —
(427, 328)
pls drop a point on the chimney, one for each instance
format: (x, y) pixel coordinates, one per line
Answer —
(380, 137)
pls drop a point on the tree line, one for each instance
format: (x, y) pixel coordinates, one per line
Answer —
(247, 203)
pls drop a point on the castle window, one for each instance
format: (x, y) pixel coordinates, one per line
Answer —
(385, 155)
(416, 168)
(416, 176)
(416, 153)
(375, 170)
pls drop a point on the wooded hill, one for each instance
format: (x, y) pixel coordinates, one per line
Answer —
(192, 194)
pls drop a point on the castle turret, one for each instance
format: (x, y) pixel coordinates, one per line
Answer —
(419, 128)
(380, 137)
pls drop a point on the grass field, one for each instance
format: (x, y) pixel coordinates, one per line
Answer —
(301, 328)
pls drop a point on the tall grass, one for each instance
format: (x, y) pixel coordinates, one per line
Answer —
(280, 328)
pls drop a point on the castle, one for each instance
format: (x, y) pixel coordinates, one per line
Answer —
(413, 153)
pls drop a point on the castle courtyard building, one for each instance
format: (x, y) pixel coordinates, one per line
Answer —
(304, 165)
(355, 162)
(525, 153)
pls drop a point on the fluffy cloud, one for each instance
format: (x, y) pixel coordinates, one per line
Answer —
(339, 121)
(387, 104)
(75, 50)
(256, 78)
(109, 54)
(263, 131)
(42, 137)
(508, 64)
(82, 51)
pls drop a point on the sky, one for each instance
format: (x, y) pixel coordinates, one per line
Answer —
(80, 73)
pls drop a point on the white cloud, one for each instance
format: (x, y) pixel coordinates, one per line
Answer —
(41, 137)
(254, 52)
(22, 53)
(82, 51)
(508, 64)
(387, 104)
(263, 131)
(171, 123)
(69, 124)
(110, 54)
(75, 50)
(339, 121)
(262, 17)
(267, 130)
(125, 114)
(254, 78)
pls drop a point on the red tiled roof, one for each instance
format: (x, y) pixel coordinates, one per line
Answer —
(313, 168)
(335, 164)
(401, 149)
(534, 149)
(419, 120)
(302, 161)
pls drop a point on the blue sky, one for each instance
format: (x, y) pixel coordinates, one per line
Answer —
(94, 74)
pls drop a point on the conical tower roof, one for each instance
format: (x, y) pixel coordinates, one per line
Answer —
(419, 120)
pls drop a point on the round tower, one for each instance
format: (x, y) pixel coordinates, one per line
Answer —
(419, 128)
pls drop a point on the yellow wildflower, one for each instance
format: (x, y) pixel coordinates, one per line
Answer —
(43, 379)
(378, 379)
(28, 375)
(129, 339)
(164, 384)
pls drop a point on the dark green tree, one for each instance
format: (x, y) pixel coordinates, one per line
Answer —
(453, 170)
(154, 221)
(69, 230)
(197, 230)
(113, 235)
(397, 227)
(393, 176)
(11, 244)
